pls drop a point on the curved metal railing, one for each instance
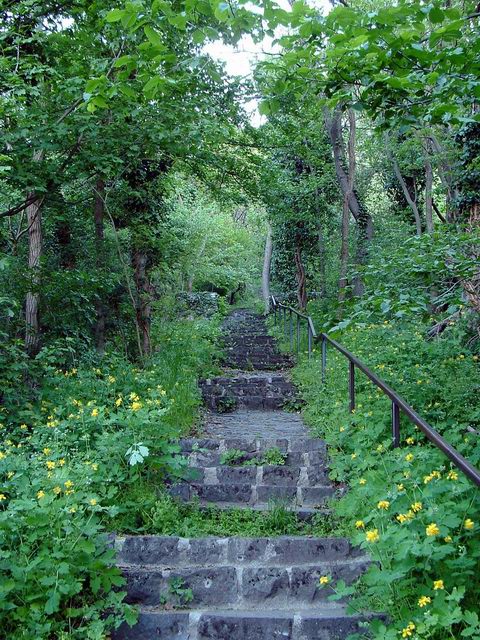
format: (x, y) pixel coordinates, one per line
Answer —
(292, 328)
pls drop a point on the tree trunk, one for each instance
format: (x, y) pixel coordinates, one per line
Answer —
(32, 302)
(412, 201)
(322, 252)
(301, 279)
(428, 190)
(99, 212)
(267, 262)
(35, 245)
(342, 283)
(333, 123)
(144, 298)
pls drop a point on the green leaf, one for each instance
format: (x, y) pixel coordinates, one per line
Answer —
(153, 36)
(115, 15)
(436, 15)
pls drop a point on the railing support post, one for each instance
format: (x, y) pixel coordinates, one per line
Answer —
(284, 321)
(309, 340)
(298, 335)
(395, 424)
(324, 360)
(351, 385)
(291, 330)
(275, 315)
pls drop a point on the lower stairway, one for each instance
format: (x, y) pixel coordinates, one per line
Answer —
(252, 455)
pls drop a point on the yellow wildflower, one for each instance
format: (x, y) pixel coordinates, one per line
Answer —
(410, 440)
(383, 504)
(342, 429)
(432, 530)
(360, 524)
(93, 502)
(2, 497)
(448, 538)
(94, 466)
(438, 584)
(94, 413)
(409, 457)
(118, 402)
(57, 490)
(402, 517)
(61, 462)
(416, 507)
(135, 406)
(111, 379)
(324, 580)
(72, 510)
(2, 455)
(10, 474)
(408, 631)
(50, 464)
(23, 427)
(469, 524)
(41, 494)
(423, 601)
(134, 397)
(362, 481)
(452, 475)
(47, 450)
(400, 487)
(353, 456)
(68, 484)
(372, 535)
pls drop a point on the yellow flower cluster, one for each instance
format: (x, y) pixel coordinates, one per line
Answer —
(423, 601)
(383, 504)
(416, 507)
(407, 632)
(435, 475)
(469, 524)
(405, 517)
(359, 524)
(409, 457)
(452, 475)
(324, 580)
(438, 585)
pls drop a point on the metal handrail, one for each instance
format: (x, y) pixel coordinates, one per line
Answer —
(398, 403)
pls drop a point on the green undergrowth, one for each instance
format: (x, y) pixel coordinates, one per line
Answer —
(410, 508)
(168, 516)
(80, 453)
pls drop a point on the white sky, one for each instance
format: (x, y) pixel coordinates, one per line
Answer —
(240, 60)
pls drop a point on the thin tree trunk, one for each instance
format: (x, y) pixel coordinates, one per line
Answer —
(428, 190)
(32, 301)
(267, 263)
(144, 298)
(99, 213)
(322, 252)
(333, 123)
(408, 197)
(301, 278)
(342, 283)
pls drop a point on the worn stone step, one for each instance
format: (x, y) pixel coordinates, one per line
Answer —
(239, 551)
(259, 402)
(206, 458)
(316, 623)
(262, 474)
(240, 586)
(247, 493)
(297, 445)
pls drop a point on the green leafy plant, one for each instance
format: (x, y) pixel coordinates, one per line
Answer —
(178, 595)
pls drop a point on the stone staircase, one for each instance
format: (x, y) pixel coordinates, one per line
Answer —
(252, 457)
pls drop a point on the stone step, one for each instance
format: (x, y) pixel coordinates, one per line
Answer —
(257, 402)
(248, 494)
(238, 551)
(208, 458)
(298, 445)
(239, 587)
(308, 476)
(315, 623)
